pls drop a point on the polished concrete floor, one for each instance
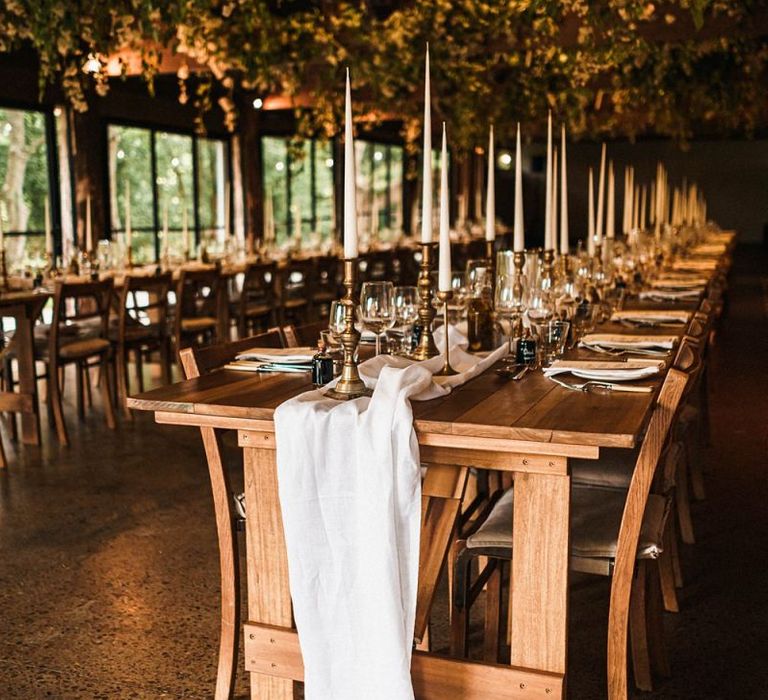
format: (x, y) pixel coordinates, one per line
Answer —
(108, 563)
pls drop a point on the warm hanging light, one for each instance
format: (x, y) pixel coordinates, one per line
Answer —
(92, 64)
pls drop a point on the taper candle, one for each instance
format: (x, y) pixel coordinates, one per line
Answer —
(610, 224)
(519, 232)
(554, 238)
(548, 237)
(88, 228)
(591, 215)
(426, 175)
(48, 236)
(350, 195)
(128, 222)
(563, 196)
(490, 194)
(444, 276)
(600, 199)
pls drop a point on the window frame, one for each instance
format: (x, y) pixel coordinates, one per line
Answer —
(52, 166)
(155, 128)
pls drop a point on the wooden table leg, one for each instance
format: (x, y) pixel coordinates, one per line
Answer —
(539, 591)
(25, 353)
(269, 598)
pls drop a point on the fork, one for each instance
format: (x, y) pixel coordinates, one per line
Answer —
(608, 386)
(619, 352)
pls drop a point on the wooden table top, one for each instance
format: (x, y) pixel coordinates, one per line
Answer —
(489, 406)
(22, 296)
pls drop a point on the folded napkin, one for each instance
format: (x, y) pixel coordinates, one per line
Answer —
(350, 492)
(670, 294)
(650, 316)
(608, 371)
(679, 282)
(620, 341)
(695, 265)
(287, 356)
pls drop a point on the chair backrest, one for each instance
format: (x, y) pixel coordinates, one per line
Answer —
(198, 361)
(197, 292)
(75, 302)
(259, 284)
(325, 275)
(305, 335)
(144, 301)
(296, 280)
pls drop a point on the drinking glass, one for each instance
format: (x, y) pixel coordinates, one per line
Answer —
(377, 308)
(406, 312)
(336, 323)
(583, 320)
(509, 299)
(552, 336)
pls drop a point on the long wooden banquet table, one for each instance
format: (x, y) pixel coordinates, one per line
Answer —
(530, 427)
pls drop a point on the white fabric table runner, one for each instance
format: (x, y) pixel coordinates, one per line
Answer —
(350, 493)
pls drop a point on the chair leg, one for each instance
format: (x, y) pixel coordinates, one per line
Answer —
(54, 390)
(655, 622)
(87, 383)
(674, 550)
(683, 503)
(667, 575)
(121, 374)
(696, 474)
(106, 393)
(79, 389)
(493, 614)
(460, 602)
(3, 459)
(638, 631)
(140, 369)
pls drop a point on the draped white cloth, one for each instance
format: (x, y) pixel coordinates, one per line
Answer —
(350, 493)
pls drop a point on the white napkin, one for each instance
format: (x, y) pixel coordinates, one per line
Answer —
(616, 371)
(620, 341)
(350, 493)
(651, 316)
(670, 294)
(281, 355)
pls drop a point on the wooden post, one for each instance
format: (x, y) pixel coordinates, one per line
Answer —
(250, 154)
(89, 150)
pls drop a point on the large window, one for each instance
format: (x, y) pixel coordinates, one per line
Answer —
(298, 187)
(25, 185)
(379, 189)
(178, 177)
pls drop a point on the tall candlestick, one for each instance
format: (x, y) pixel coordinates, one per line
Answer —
(88, 228)
(350, 195)
(128, 222)
(297, 222)
(610, 225)
(226, 211)
(591, 215)
(642, 207)
(490, 194)
(600, 199)
(554, 239)
(563, 196)
(635, 206)
(444, 276)
(625, 205)
(2, 227)
(48, 235)
(519, 233)
(548, 238)
(426, 175)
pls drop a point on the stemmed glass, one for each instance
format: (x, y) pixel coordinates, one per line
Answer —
(377, 308)
(509, 299)
(336, 322)
(406, 312)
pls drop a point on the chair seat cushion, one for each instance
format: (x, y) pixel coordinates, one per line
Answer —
(197, 325)
(595, 521)
(83, 348)
(613, 470)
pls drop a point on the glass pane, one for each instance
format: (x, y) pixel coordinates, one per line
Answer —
(130, 166)
(275, 166)
(23, 184)
(324, 207)
(212, 181)
(173, 153)
(301, 189)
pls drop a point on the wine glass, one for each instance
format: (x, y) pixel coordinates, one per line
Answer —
(406, 312)
(377, 308)
(336, 321)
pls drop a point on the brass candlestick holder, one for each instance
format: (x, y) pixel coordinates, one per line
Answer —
(490, 254)
(447, 370)
(349, 386)
(547, 275)
(426, 347)
(518, 261)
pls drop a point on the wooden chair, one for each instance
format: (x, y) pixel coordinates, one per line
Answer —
(198, 308)
(325, 284)
(613, 532)
(307, 335)
(196, 362)
(296, 292)
(142, 326)
(79, 333)
(257, 302)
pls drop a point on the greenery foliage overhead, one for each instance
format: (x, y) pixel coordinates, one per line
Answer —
(615, 67)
